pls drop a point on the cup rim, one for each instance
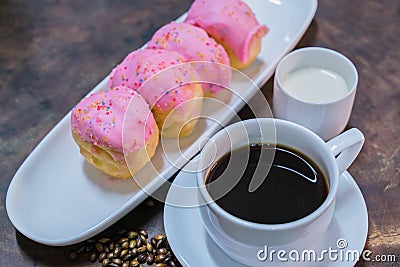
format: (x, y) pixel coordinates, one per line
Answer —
(320, 50)
(210, 203)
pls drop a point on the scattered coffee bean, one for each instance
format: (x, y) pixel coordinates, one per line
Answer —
(149, 247)
(128, 249)
(141, 250)
(117, 252)
(104, 240)
(125, 245)
(73, 255)
(160, 243)
(132, 244)
(123, 253)
(102, 256)
(150, 258)
(160, 258)
(149, 203)
(142, 258)
(143, 233)
(132, 235)
(122, 240)
(105, 262)
(99, 247)
(159, 237)
(161, 251)
(110, 255)
(93, 256)
(117, 261)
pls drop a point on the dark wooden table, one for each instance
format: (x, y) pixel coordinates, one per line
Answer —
(53, 52)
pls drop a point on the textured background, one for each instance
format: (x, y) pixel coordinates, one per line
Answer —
(53, 52)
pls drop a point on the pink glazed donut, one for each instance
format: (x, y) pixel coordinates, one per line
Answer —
(232, 24)
(168, 84)
(115, 130)
(195, 45)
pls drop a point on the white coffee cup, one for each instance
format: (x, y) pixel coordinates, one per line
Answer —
(329, 118)
(241, 239)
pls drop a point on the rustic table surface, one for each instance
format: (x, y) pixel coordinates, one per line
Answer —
(53, 52)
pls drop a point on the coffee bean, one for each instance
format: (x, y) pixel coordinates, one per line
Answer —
(142, 258)
(93, 256)
(143, 233)
(153, 242)
(99, 247)
(149, 247)
(160, 265)
(139, 243)
(161, 251)
(132, 235)
(160, 243)
(132, 243)
(143, 238)
(122, 240)
(134, 263)
(129, 257)
(149, 203)
(104, 240)
(110, 255)
(160, 258)
(158, 237)
(102, 256)
(117, 261)
(125, 264)
(112, 264)
(141, 250)
(123, 253)
(111, 246)
(117, 252)
(125, 245)
(73, 255)
(105, 262)
(150, 258)
(134, 251)
(166, 243)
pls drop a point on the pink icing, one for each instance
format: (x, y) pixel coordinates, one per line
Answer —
(230, 21)
(195, 45)
(167, 89)
(100, 119)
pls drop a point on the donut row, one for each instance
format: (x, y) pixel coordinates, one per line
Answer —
(159, 89)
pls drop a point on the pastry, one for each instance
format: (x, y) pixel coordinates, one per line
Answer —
(232, 24)
(195, 45)
(115, 130)
(168, 84)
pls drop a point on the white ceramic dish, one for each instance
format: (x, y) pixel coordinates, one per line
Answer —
(56, 198)
(193, 246)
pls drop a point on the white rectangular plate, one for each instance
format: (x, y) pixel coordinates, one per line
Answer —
(56, 198)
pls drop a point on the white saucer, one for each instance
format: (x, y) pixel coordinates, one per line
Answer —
(193, 247)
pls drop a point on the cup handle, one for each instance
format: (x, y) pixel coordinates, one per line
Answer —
(346, 147)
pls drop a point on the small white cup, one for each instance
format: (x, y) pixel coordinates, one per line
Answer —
(241, 239)
(326, 119)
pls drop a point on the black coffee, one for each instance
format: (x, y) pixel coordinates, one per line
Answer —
(294, 187)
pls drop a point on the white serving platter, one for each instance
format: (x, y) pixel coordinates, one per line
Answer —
(56, 198)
